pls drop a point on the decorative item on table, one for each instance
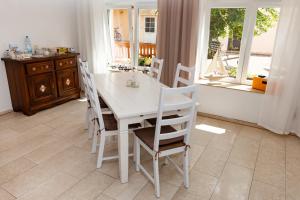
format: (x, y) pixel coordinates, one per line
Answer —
(71, 50)
(62, 50)
(133, 83)
(46, 51)
(37, 52)
(216, 70)
(12, 51)
(260, 83)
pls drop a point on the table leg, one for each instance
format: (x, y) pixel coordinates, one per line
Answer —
(123, 151)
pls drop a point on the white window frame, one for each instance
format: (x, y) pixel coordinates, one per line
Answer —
(251, 7)
(133, 17)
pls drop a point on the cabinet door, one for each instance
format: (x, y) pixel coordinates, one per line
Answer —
(42, 88)
(67, 82)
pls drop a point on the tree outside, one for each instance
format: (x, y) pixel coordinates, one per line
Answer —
(228, 22)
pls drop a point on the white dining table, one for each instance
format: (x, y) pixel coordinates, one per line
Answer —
(129, 105)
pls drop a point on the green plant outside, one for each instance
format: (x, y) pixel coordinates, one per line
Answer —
(230, 21)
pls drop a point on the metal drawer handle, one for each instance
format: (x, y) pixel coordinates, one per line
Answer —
(47, 66)
(68, 82)
(33, 69)
(60, 64)
(43, 88)
(71, 62)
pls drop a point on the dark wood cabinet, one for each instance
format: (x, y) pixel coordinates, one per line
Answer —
(39, 83)
(67, 81)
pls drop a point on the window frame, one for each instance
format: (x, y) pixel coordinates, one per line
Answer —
(251, 7)
(151, 24)
(133, 17)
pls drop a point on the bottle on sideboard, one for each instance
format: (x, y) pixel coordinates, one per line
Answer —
(28, 46)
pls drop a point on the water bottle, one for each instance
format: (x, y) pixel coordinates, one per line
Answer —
(28, 47)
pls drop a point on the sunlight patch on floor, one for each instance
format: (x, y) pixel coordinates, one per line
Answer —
(210, 129)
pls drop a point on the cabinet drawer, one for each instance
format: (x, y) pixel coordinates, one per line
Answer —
(65, 63)
(41, 67)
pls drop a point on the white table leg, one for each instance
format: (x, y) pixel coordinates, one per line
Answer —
(123, 151)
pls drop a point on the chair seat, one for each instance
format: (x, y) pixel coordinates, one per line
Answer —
(102, 103)
(111, 123)
(147, 135)
(152, 121)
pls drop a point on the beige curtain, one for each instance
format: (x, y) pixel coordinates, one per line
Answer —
(177, 35)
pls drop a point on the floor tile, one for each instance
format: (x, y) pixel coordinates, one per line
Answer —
(15, 168)
(234, 184)
(244, 152)
(262, 191)
(212, 161)
(128, 190)
(167, 192)
(270, 173)
(51, 189)
(88, 188)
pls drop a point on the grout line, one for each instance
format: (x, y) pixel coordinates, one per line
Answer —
(258, 152)
(8, 192)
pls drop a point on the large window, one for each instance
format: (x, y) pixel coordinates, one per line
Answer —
(133, 35)
(240, 40)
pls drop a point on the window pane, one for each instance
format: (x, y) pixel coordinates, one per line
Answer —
(120, 25)
(225, 34)
(263, 42)
(147, 36)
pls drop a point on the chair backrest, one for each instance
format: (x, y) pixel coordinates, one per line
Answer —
(181, 99)
(184, 76)
(82, 66)
(156, 68)
(94, 100)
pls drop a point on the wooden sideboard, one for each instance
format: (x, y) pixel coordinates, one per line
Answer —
(39, 83)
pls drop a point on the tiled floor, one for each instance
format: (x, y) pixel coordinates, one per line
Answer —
(46, 156)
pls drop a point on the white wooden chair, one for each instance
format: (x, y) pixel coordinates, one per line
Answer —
(156, 68)
(104, 124)
(178, 82)
(164, 140)
(187, 78)
(83, 66)
(100, 129)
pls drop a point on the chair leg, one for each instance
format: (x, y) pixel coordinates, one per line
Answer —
(101, 151)
(134, 149)
(137, 152)
(91, 126)
(87, 120)
(156, 177)
(186, 169)
(95, 140)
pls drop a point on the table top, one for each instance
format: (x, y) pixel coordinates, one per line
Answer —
(128, 102)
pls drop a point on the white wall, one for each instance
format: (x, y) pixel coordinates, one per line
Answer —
(229, 103)
(48, 23)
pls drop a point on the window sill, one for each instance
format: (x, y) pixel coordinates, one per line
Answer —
(226, 85)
